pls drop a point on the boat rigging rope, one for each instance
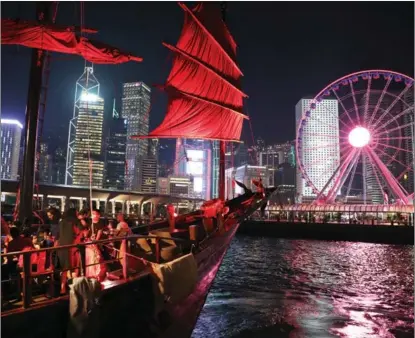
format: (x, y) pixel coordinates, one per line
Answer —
(82, 7)
(233, 173)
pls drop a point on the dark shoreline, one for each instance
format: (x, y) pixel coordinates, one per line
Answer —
(383, 234)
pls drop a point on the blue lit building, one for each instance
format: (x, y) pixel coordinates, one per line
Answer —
(11, 132)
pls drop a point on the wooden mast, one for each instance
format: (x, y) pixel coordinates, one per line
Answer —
(222, 144)
(43, 13)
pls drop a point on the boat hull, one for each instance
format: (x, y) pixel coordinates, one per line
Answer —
(184, 315)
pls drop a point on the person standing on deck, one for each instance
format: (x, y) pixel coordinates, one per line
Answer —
(99, 232)
(68, 233)
(171, 217)
(83, 217)
(122, 230)
(97, 227)
(122, 227)
(54, 216)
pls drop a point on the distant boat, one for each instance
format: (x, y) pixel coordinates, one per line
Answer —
(205, 102)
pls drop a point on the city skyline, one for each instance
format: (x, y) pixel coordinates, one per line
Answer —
(137, 110)
(86, 102)
(275, 84)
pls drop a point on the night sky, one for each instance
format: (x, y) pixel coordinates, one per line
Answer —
(287, 50)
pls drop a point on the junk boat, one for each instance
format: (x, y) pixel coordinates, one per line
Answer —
(163, 276)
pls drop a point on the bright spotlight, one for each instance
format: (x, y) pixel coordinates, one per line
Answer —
(9, 121)
(359, 137)
(89, 97)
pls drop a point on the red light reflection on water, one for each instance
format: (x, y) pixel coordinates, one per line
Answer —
(295, 288)
(354, 290)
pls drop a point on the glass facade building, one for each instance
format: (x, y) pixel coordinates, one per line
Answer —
(321, 134)
(194, 159)
(85, 138)
(115, 155)
(135, 110)
(11, 134)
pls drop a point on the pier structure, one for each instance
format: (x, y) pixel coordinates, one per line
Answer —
(338, 213)
(129, 203)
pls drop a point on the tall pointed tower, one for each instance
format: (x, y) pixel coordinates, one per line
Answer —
(85, 133)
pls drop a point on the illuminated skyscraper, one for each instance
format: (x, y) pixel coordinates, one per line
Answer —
(322, 161)
(215, 169)
(194, 159)
(135, 110)
(85, 134)
(280, 160)
(371, 174)
(149, 168)
(59, 166)
(11, 133)
(115, 155)
(45, 164)
(148, 180)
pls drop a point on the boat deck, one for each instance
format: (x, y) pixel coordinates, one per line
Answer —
(33, 295)
(131, 261)
(40, 300)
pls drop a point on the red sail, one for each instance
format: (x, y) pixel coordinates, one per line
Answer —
(205, 99)
(62, 40)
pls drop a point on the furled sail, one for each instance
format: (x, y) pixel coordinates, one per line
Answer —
(60, 39)
(205, 99)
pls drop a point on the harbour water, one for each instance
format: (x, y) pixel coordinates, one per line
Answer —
(269, 287)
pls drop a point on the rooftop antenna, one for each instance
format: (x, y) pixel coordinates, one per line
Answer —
(115, 114)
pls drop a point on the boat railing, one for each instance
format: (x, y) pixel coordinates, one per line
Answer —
(26, 275)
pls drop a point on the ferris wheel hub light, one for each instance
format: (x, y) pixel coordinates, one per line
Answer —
(359, 137)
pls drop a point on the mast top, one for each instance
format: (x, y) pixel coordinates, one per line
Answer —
(223, 7)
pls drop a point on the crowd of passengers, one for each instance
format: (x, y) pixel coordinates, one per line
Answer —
(73, 227)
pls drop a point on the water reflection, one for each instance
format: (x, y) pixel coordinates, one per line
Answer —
(292, 288)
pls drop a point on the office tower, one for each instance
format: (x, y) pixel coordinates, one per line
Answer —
(85, 134)
(153, 148)
(180, 186)
(45, 164)
(11, 134)
(243, 155)
(372, 192)
(194, 159)
(135, 110)
(149, 168)
(165, 170)
(408, 132)
(148, 175)
(163, 185)
(280, 160)
(115, 155)
(215, 168)
(320, 151)
(58, 166)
